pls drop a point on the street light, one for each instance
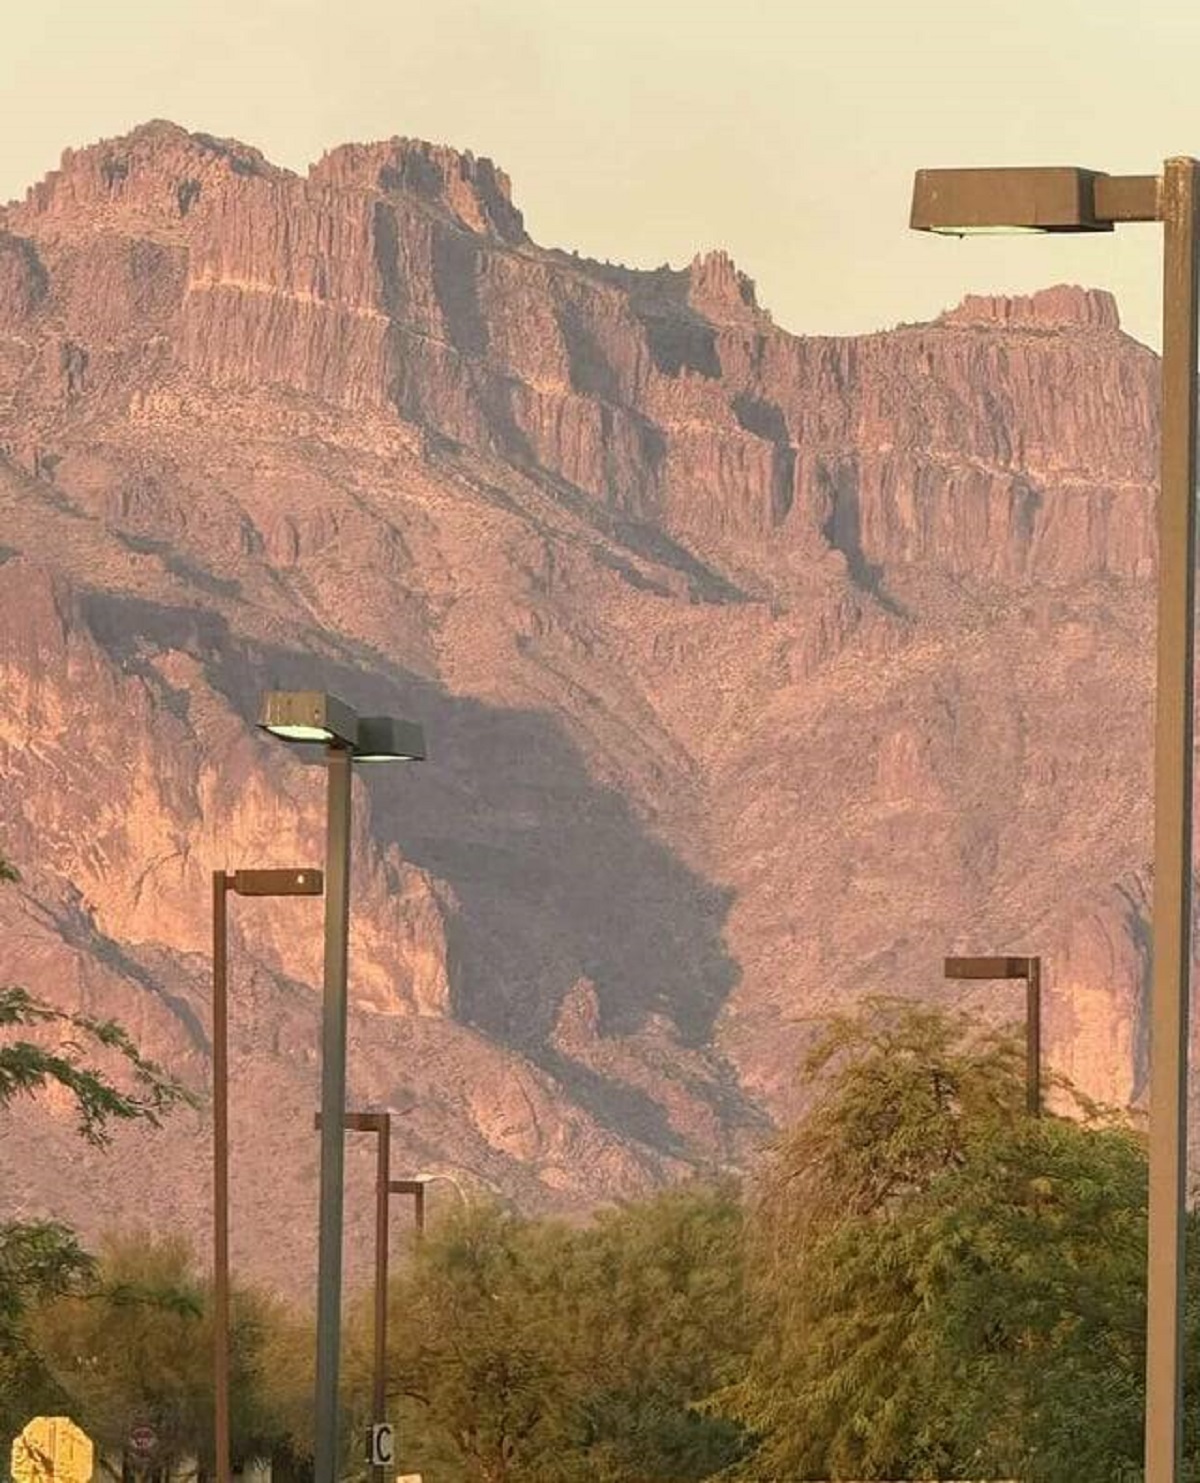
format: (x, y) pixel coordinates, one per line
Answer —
(379, 1123)
(1067, 200)
(1029, 969)
(416, 1187)
(308, 716)
(451, 1179)
(242, 883)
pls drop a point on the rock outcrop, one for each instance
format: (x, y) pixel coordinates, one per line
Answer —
(758, 670)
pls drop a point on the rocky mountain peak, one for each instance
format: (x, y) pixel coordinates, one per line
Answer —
(718, 289)
(151, 177)
(160, 170)
(473, 192)
(1063, 307)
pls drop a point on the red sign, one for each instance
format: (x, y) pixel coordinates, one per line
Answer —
(143, 1440)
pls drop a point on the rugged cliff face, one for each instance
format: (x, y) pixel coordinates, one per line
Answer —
(759, 671)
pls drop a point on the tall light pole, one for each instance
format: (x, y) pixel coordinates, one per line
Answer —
(306, 717)
(242, 883)
(960, 202)
(1030, 970)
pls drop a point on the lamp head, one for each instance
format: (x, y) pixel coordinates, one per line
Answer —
(359, 1122)
(992, 202)
(987, 968)
(386, 739)
(309, 716)
(407, 1186)
(278, 882)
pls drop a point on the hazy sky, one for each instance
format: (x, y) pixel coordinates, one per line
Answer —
(786, 131)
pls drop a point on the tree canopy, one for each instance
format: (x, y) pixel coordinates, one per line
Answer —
(537, 1351)
(42, 1260)
(28, 1067)
(138, 1347)
(944, 1286)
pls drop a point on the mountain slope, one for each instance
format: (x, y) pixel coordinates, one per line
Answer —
(758, 670)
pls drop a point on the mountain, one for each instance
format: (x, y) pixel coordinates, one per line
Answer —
(758, 671)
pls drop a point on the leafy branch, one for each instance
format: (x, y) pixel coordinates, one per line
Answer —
(27, 1068)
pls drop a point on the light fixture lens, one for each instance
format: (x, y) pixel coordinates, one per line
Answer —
(988, 231)
(388, 739)
(302, 733)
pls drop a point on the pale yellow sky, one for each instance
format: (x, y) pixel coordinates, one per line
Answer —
(645, 130)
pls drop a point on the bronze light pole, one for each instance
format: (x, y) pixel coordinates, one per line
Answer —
(311, 717)
(379, 1123)
(415, 1188)
(242, 883)
(1029, 969)
(959, 202)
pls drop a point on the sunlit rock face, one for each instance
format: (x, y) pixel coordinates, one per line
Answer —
(758, 670)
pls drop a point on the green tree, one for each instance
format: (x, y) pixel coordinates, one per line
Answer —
(943, 1286)
(138, 1348)
(539, 1352)
(655, 1310)
(471, 1346)
(28, 1067)
(1037, 1254)
(41, 1260)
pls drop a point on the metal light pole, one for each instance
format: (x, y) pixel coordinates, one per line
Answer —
(1030, 970)
(450, 1179)
(958, 202)
(243, 883)
(379, 1123)
(310, 716)
(415, 1188)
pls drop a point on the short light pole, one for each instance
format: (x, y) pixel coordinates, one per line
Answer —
(379, 1123)
(962, 202)
(1029, 970)
(312, 717)
(415, 1188)
(241, 883)
(451, 1179)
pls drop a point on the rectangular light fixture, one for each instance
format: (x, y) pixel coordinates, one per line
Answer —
(358, 1122)
(308, 716)
(278, 882)
(385, 739)
(994, 201)
(987, 968)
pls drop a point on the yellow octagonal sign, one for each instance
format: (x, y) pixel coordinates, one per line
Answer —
(52, 1449)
